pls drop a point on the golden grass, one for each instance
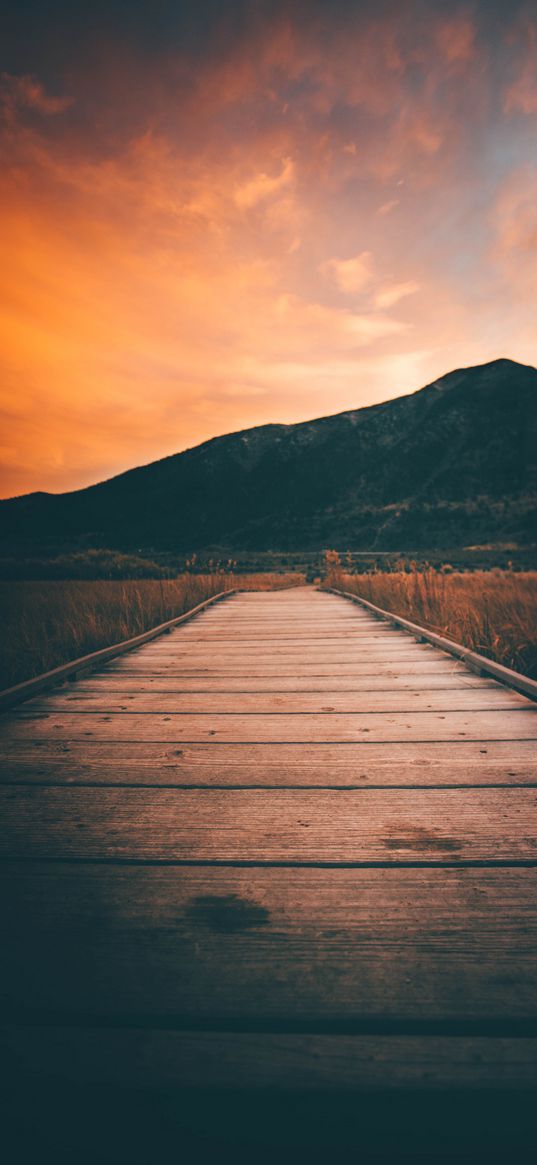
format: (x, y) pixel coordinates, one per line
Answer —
(492, 612)
(46, 624)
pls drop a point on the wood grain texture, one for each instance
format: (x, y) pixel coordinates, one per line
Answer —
(430, 681)
(349, 950)
(267, 644)
(256, 825)
(518, 724)
(324, 765)
(239, 703)
(274, 635)
(347, 650)
(144, 1057)
(249, 665)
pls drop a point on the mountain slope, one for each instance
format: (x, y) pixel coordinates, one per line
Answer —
(451, 463)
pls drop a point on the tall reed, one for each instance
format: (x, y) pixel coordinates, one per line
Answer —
(49, 623)
(492, 612)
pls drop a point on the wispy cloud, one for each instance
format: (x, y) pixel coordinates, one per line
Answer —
(521, 93)
(27, 92)
(389, 295)
(387, 207)
(263, 186)
(350, 275)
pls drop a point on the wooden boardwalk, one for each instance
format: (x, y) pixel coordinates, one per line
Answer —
(284, 845)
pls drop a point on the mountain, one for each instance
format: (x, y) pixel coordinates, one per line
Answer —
(451, 464)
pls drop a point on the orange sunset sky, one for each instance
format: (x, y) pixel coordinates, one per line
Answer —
(216, 215)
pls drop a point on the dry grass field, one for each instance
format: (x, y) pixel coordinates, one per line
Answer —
(49, 623)
(493, 612)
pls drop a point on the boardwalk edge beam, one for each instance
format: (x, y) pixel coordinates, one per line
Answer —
(474, 661)
(86, 663)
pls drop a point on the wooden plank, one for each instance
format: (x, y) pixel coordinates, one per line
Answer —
(462, 681)
(262, 826)
(414, 765)
(519, 724)
(316, 624)
(238, 636)
(250, 667)
(481, 699)
(274, 633)
(331, 650)
(130, 1057)
(176, 947)
(231, 618)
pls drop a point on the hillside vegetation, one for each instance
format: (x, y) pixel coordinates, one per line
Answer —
(454, 464)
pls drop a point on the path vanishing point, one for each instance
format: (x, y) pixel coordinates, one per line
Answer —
(285, 845)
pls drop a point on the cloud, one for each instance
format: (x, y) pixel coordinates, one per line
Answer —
(26, 92)
(521, 95)
(514, 220)
(263, 186)
(387, 207)
(456, 39)
(315, 327)
(350, 275)
(391, 294)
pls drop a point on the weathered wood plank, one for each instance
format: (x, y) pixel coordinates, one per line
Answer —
(432, 681)
(314, 620)
(364, 764)
(293, 627)
(196, 946)
(130, 1057)
(274, 632)
(331, 650)
(267, 643)
(519, 724)
(269, 825)
(461, 700)
(249, 666)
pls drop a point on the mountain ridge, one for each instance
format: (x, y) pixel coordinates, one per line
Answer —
(455, 458)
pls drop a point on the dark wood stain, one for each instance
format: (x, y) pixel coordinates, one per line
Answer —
(227, 913)
(421, 840)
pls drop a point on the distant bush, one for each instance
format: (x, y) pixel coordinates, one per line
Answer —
(86, 564)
